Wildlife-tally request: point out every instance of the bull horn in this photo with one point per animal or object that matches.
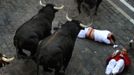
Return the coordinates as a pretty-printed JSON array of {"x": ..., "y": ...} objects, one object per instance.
[
  {"x": 69, "y": 19},
  {"x": 90, "y": 24},
  {"x": 58, "y": 8},
  {"x": 7, "y": 59},
  {"x": 82, "y": 25},
  {"x": 42, "y": 3},
  {"x": 92, "y": 20}
]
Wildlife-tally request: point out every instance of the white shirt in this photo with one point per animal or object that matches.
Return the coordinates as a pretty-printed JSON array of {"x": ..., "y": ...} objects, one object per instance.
[{"x": 101, "y": 36}]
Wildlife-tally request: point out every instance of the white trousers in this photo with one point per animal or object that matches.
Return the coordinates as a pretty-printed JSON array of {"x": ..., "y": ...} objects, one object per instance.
[{"x": 114, "y": 67}]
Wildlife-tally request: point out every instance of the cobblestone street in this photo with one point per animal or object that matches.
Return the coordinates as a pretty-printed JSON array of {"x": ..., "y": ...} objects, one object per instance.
[{"x": 88, "y": 56}]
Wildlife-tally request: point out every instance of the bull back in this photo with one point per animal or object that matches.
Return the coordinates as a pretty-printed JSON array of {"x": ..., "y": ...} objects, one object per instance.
[
  {"x": 56, "y": 51},
  {"x": 31, "y": 32}
]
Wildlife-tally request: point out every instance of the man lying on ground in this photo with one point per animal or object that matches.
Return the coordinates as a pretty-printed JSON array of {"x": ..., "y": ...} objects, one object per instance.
[
  {"x": 117, "y": 62},
  {"x": 104, "y": 36}
]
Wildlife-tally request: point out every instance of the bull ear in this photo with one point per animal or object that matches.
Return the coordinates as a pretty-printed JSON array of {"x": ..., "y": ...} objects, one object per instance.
[
  {"x": 69, "y": 19},
  {"x": 58, "y": 8},
  {"x": 42, "y": 4}
]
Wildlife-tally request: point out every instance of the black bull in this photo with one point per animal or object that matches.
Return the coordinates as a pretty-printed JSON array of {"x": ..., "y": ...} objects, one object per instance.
[
  {"x": 30, "y": 33},
  {"x": 56, "y": 50},
  {"x": 91, "y": 4}
]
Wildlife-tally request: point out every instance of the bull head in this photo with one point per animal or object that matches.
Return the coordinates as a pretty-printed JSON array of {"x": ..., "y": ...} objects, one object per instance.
[
  {"x": 5, "y": 59},
  {"x": 82, "y": 25},
  {"x": 57, "y": 8}
]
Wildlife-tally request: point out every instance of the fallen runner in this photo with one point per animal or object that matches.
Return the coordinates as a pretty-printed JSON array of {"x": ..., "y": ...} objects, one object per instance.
[
  {"x": 117, "y": 62},
  {"x": 103, "y": 36}
]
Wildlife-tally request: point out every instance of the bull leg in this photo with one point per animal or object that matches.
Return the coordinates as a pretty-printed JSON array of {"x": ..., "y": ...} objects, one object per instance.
[
  {"x": 0, "y": 65},
  {"x": 59, "y": 66},
  {"x": 33, "y": 53},
  {"x": 79, "y": 6},
  {"x": 66, "y": 62},
  {"x": 59, "y": 73},
  {"x": 96, "y": 9},
  {"x": 86, "y": 9},
  {"x": 59, "y": 70},
  {"x": 46, "y": 69},
  {"x": 19, "y": 51}
]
